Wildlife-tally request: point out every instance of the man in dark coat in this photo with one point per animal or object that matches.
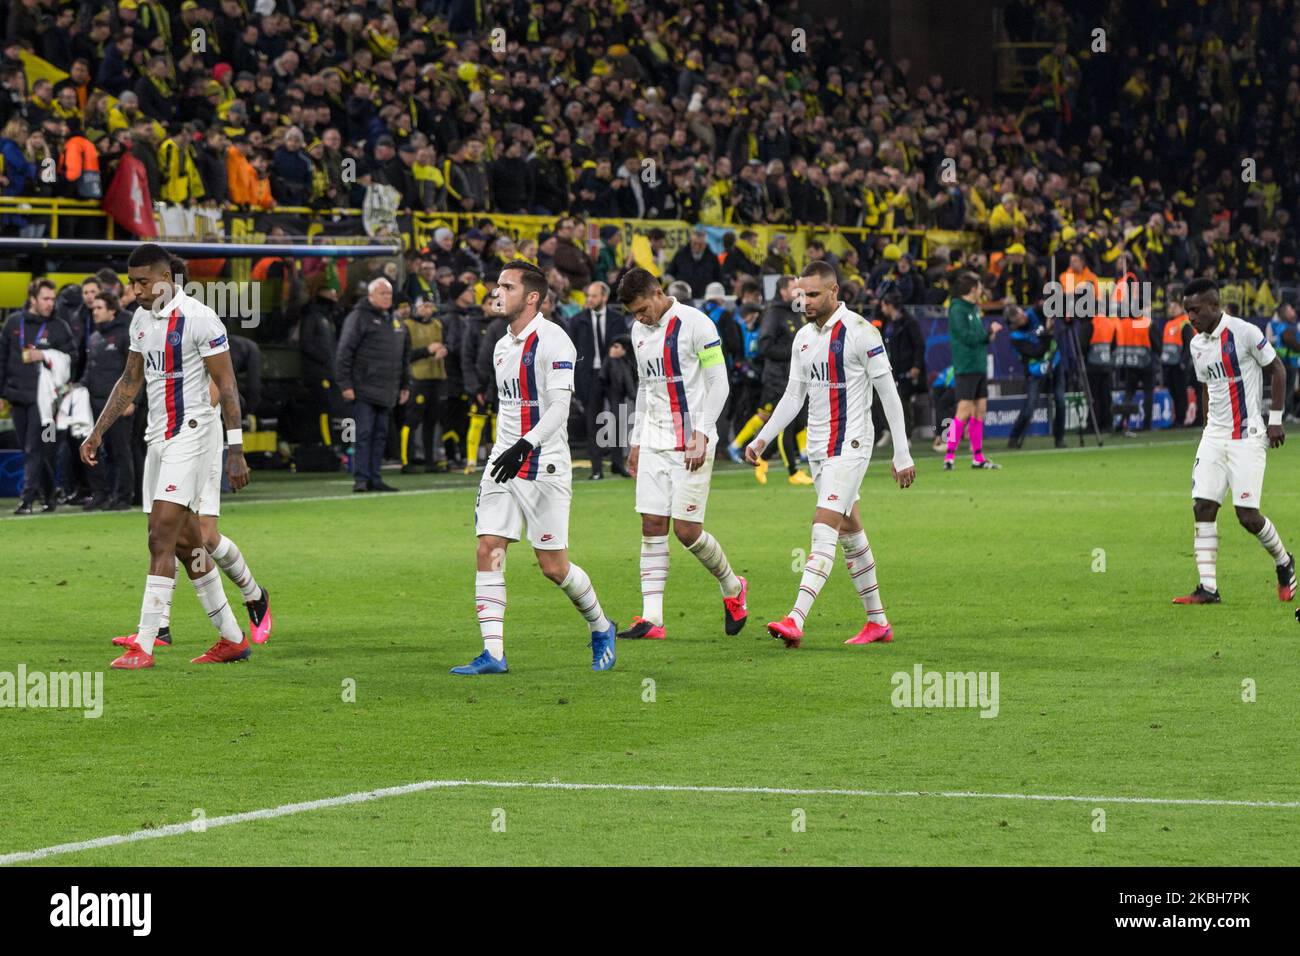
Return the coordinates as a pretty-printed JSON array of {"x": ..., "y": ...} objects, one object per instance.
[
  {"x": 696, "y": 264},
  {"x": 106, "y": 352},
  {"x": 25, "y": 338},
  {"x": 593, "y": 331},
  {"x": 374, "y": 368}
]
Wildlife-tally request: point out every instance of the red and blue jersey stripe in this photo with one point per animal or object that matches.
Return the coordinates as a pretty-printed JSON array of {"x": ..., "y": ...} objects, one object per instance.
[
  {"x": 1236, "y": 383},
  {"x": 676, "y": 384},
  {"x": 529, "y": 413},
  {"x": 837, "y": 396},
  {"x": 174, "y": 387}
]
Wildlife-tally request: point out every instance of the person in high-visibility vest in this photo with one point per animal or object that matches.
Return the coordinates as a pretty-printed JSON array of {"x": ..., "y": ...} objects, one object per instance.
[
  {"x": 1174, "y": 356},
  {"x": 1100, "y": 363},
  {"x": 1134, "y": 342}
]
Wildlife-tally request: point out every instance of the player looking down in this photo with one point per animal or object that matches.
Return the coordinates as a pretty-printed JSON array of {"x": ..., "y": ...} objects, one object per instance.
[
  {"x": 1230, "y": 356},
  {"x": 177, "y": 344},
  {"x": 530, "y": 483},
  {"x": 836, "y": 361},
  {"x": 682, "y": 391}
]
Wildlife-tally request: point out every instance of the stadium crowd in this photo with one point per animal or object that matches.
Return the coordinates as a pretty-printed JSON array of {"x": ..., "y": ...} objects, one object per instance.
[{"x": 1161, "y": 157}]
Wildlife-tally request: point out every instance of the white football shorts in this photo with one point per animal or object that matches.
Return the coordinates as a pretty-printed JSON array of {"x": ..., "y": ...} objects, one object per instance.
[
  {"x": 1222, "y": 464},
  {"x": 664, "y": 486},
  {"x": 837, "y": 480},
  {"x": 182, "y": 469},
  {"x": 504, "y": 510}
]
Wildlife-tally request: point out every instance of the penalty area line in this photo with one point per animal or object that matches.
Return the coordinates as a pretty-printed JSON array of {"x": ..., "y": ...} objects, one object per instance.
[{"x": 367, "y": 796}]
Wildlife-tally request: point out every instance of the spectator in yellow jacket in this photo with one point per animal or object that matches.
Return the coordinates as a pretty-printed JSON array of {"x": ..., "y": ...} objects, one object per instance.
[{"x": 181, "y": 181}]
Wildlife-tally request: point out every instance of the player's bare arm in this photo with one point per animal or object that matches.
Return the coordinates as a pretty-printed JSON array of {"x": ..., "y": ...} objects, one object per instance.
[
  {"x": 119, "y": 400},
  {"x": 1277, "y": 373},
  {"x": 222, "y": 372}
]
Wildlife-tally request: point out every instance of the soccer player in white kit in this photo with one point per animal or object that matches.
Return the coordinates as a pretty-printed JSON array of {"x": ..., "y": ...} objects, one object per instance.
[
  {"x": 226, "y": 554},
  {"x": 177, "y": 345},
  {"x": 530, "y": 483},
  {"x": 836, "y": 361},
  {"x": 1231, "y": 356},
  {"x": 682, "y": 391}
]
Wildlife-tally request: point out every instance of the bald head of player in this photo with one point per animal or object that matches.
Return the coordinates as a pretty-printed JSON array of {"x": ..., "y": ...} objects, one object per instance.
[
  {"x": 1201, "y": 300},
  {"x": 520, "y": 290},
  {"x": 643, "y": 297},
  {"x": 819, "y": 291},
  {"x": 152, "y": 273}
]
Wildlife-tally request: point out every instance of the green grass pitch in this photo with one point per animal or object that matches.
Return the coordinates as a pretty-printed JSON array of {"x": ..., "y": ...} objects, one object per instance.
[{"x": 1106, "y": 690}]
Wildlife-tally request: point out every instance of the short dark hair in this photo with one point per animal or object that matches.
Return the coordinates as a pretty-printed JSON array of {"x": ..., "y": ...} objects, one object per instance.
[
  {"x": 964, "y": 282},
  {"x": 533, "y": 278},
  {"x": 783, "y": 283},
  {"x": 636, "y": 284},
  {"x": 111, "y": 302},
  {"x": 89, "y": 280},
  {"x": 148, "y": 254},
  {"x": 107, "y": 277},
  {"x": 1201, "y": 287},
  {"x": 36, "y": 285},
  {"x": 821, "y": 270}
]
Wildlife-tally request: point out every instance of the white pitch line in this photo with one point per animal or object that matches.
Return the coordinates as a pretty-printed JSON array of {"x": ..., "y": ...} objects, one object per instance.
[{"x": 367, "y": 796}]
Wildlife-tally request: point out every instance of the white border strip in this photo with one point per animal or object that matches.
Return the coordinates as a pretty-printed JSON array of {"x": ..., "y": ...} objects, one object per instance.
[{"x": 366, "y": 796}]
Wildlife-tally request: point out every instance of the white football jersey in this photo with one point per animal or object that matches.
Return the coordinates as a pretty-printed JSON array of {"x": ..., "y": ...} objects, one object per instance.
[
  {"x": 834, "y": 364},
  {"x": 1228, "y": 361},
  {"x": 174, "y": 344},
  {"x": 671, "y": 357},
  {"x": 527, "y": 365}
]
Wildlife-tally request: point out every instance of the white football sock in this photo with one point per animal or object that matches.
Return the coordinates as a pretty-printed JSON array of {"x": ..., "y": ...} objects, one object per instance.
[
  {"x": 490, "y": 603},
  {"x": 1206, "y": 543},
  {"x": 862, "y": 569},
  {"x": 157, "y": 596},
  {"x": 165, "y": 621},
  {"x": 231, "y": 561},
  {"x": 821, "y": 559},
  {"x": 711, "y": 555},
  {"x": 654, "y": 577},
  {"x": 1272, "y": 543},
  {"x": 213, "y": 598},
  {"x": 579, "y": 589}
]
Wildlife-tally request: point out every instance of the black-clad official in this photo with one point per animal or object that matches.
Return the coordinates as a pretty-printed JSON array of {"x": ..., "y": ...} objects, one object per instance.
[
  {"x": 26, "y": 335},
  {"x": 106, "y": 353}
]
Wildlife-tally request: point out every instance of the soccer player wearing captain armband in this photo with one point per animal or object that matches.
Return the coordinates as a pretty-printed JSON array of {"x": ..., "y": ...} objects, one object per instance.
[
  {"x": 682, "y": 391},
  {"x": 836, "y": 362}
]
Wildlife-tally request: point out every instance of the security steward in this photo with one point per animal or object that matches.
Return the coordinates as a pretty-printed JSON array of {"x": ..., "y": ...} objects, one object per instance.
[{"x": 1176, "y": 357}]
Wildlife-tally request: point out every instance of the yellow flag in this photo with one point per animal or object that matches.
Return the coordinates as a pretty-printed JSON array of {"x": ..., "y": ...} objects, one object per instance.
[{"x": 644, "y": 256}]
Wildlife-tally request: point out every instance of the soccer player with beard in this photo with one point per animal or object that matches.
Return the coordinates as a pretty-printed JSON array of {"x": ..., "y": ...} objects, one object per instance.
[
  {"x": 530, "y": 483},
  {"x": 1230, "y": 356},
  {"x": 837, "y": 359}
]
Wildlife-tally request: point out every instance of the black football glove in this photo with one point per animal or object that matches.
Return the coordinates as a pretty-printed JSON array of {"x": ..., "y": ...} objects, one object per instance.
[{"x": 508, "y": 463}]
